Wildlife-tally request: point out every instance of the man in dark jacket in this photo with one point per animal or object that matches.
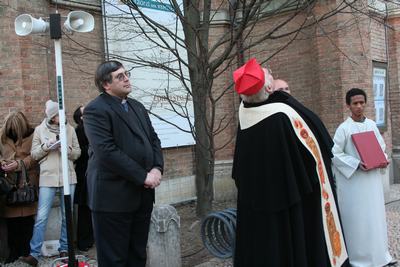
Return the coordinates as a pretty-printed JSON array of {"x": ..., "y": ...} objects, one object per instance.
[{"x": 125, "y": 165}]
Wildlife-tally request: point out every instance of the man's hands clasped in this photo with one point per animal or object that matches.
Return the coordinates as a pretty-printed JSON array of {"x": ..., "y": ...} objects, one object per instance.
[{"x": 153, "y": 178}]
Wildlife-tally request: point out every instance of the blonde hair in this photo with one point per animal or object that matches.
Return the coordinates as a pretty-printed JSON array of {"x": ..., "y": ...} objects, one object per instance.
[{"x": 15, "y": 125}]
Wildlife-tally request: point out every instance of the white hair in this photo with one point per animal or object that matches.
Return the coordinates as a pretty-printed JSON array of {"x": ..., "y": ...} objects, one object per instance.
[{"x": 262, "y": 94}]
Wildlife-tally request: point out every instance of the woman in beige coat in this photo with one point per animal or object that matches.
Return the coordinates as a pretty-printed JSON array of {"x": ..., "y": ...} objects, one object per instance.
[
  {"x": 46, "y": 150},
  {"x": 15, "y": 146}
]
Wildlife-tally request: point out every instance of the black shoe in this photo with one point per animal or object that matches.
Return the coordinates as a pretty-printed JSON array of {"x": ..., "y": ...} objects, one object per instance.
[
  {"x": 85, "y": 248},
  {"x": 11, "y": 259},
  {"x": 392, "y": 263}
]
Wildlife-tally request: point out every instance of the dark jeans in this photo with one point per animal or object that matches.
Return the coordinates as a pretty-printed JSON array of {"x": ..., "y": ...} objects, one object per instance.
[
  {"x": 84, "y": 228},
  {"x": 20, "y": 231}
]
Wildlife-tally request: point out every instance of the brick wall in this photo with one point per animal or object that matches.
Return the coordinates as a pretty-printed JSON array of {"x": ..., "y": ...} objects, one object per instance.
[
  {"x": 328, "y": 78},
  {"x": 378, "y": 39},
  {"x": 28, "y": 68},
  {"x": 394, "y": 91},
  {"x": 394, "y": 74},
  {"x": 310, "y": 64},
  {"x": 27, "y": 72},
  {"x": 326, "y": 60},
  {"x": 323, "y": 62},
  {"x": 318, "y": 68},
  {"x": 225, "y": 116},
  {"x": 24, "y": 74}
]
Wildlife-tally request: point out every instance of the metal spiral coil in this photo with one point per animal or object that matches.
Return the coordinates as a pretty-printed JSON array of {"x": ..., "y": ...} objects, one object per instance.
[{"x": 218, "y": 232}]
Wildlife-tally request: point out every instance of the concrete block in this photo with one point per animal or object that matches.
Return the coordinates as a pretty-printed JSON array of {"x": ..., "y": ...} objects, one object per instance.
[{"x": 163, "y": 248}]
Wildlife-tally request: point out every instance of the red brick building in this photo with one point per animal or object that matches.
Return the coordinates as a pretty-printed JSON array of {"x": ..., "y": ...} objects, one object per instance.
[
  {"x": 361, "y": 50},
  {"x": 347, "y": 50},
  {"x": 319, "y": 68}
]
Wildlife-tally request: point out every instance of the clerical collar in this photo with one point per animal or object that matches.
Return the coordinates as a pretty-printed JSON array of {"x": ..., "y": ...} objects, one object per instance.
[{"x": 118, "y": 99}]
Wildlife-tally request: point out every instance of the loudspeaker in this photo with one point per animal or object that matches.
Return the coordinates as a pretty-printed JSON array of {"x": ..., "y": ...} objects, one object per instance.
[
  {"x": 79, "y": 21},
  {"x": 26, "y": 24}
]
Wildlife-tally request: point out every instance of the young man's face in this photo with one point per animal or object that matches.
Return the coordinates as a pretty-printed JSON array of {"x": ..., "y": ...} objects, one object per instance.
[
  {"x": 120, "y": 85},
  {"x": 357, "y": 105}
]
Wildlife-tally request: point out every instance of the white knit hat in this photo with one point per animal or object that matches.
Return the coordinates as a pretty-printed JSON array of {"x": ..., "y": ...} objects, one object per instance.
[{"x": 51, "y": 109}]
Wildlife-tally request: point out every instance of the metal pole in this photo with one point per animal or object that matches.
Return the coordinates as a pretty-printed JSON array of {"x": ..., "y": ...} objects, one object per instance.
[
  {"x": 61, "y": 114},
  {"x": 103, "y": 9},
  {"x": 64, "y": 145}
]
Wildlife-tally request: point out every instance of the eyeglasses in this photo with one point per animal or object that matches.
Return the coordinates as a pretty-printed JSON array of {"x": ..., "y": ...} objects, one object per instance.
[{"x": 121, "y": 76}]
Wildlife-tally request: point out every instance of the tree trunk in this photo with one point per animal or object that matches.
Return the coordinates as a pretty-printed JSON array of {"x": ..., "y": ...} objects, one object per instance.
[
  {"x": 204, "y": 181},
  {"x": 204, "y": 150}
]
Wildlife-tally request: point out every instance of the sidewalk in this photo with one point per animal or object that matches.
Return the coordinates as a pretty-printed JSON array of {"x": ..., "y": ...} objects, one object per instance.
[{"x": 393, "y": 219}]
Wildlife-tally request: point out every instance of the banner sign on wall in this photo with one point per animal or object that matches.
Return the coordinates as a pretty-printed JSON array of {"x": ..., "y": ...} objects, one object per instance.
[{"x": 155, "y": 87}]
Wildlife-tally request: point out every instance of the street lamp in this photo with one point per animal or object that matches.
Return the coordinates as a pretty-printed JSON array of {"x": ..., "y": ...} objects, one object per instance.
[{"x": 76, "y": 21}]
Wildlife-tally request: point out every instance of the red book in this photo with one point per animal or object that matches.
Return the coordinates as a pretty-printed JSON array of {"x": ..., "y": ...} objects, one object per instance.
[{"x": 369, "y": 150}]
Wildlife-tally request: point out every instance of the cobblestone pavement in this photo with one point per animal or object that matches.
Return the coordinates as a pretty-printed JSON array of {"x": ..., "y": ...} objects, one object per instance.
[
  {"x": 393, "y": 219},
  {"x": 90, "y": 257}
]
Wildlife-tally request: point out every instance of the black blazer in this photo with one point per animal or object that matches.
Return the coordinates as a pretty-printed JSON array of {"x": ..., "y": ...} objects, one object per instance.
[{"x": 121, "y": 153}]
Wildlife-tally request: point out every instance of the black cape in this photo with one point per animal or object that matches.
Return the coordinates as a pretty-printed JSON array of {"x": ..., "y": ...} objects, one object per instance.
[
  {"x": 316, "y": 125},
  {"x": 279, "y": 220}
]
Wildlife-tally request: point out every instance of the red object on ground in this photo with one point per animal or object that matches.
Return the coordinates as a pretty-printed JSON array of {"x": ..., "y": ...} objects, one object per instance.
[{"x": 80, "y": 264}]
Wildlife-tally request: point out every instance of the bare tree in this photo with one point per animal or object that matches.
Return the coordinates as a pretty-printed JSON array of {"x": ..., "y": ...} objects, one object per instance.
[
  {"x": 207, "y": 57},
  {"x": 200, "y": 57}
]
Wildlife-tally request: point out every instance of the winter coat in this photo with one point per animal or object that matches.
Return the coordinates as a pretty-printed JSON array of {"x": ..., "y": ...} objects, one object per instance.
[
  {"x": 50, "y": 160},
  {"x": 10, "y": 151}
]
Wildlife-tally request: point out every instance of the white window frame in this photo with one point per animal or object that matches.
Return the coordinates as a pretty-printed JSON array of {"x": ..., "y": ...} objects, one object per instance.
[{"x": 379, "y": 82}]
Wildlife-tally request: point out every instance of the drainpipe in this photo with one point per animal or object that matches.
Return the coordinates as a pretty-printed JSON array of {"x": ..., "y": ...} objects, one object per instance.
[{"x": 103, "y": 11}]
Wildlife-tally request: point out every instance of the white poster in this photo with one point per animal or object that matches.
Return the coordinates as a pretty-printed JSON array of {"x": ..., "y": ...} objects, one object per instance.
[
  {"x": 379, "y": 82},
  {"x": 156, "y": 88}
]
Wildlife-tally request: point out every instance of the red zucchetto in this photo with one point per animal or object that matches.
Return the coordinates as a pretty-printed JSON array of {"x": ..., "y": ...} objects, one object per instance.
[{"x": 249, "y": 78}]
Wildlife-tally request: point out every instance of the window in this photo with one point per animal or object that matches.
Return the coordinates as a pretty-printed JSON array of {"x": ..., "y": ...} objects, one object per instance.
[
  {"x": 379, "y": 82},
  {"x": 378, "y": 6},
  {"x": 277, "y": 6}
]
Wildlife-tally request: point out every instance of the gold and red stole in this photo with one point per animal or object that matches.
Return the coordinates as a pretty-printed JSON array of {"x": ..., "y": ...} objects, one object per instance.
[{"x": 334, "y": 239}]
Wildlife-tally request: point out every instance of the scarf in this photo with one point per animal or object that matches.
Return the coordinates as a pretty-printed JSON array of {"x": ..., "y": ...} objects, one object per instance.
[{"x": 54, "y": 128}]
